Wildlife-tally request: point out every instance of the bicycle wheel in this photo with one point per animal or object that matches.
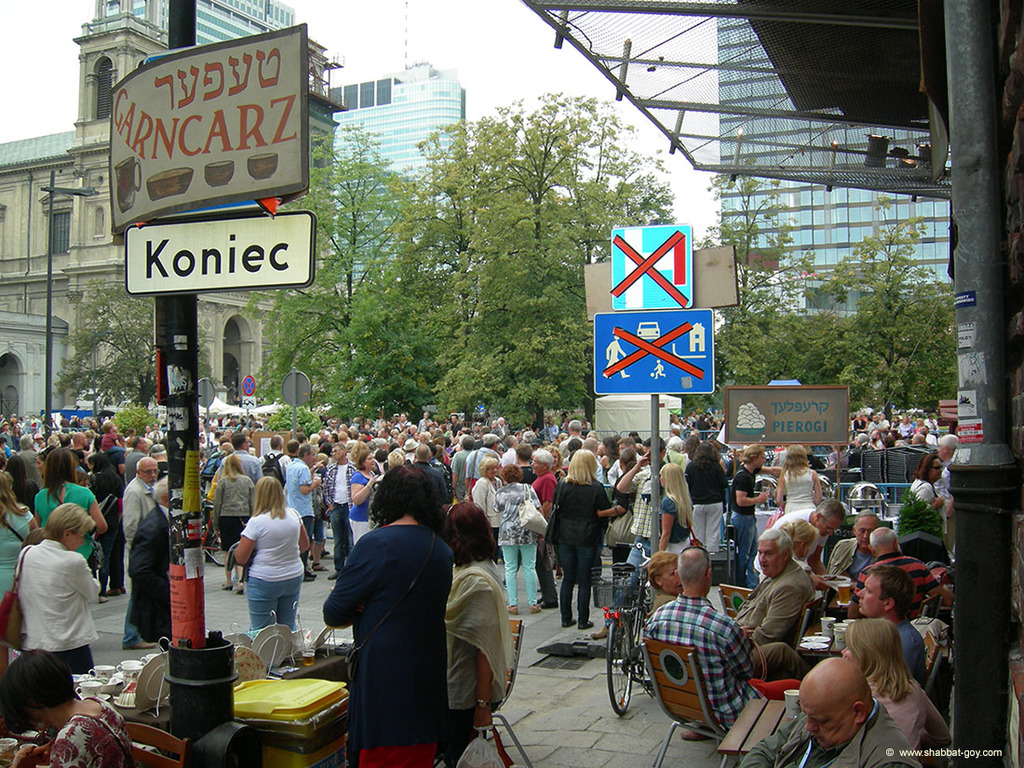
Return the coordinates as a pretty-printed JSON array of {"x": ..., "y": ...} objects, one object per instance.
[
  {"x": 637, "y": 663},
  {"x": 620, "y": 681}
]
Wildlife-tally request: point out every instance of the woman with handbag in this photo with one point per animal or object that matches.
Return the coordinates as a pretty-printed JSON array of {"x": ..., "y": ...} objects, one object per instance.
[
  {"x": 575, "y": 530},
  {"x": 107, "y": 486},
  {"x": 15, "y": 523},
  {"x": 38, "y": 692},
  {"x": 233, "y": 502},
  {"x": 56, "y": 589},
  {"x": 60, "y": 486},
  {"x": 479, "y": 637},
  {"x": 394, "y": 587},
  {"x": 517, "y": 543}
]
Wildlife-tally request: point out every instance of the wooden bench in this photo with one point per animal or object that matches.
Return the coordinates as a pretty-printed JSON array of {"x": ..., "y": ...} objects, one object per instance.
[{"x": 758, "y": 720}]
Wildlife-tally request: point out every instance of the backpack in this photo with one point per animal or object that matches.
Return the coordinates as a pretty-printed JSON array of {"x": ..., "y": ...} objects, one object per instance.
[
  {"x": 212, "y": 465},
  {"x": 272, "y": 467}
]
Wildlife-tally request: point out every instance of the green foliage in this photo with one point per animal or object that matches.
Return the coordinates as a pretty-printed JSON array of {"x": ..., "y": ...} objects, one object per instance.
[
  {"x": 918, "y": 515},
  {"x": 307, "y": 421},
  {"x": 133, "y": 417},
  {"x": 112, "y": 351},
  {"x": 494, "y": 243}
]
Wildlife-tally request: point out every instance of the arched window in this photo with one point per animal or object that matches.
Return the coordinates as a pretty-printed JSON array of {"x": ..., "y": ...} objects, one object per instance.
[
  {"x": 99, "y": 225},
  {"x": 104, "y": 80}
]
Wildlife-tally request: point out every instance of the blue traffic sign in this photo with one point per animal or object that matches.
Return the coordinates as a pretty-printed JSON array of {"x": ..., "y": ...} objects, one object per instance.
[
  {"x": 652, "y": 267},
  {"x": 641, "y": 353},
  {"x": 248, "y": 386}
]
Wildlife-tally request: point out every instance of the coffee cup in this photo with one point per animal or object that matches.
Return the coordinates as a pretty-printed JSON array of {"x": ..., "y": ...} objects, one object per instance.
[
  {"x": 149, "y": 657},
  {"x": 130, "y": 668},
  {"x": 128, "y": 174},
  {"x": 8, "y": 747},
  {"x": 89, "y": 688},
  {"x": 103, "y": 671},
  {"x": 792, "y": 702},
  {"x": 827, "y": 623}
]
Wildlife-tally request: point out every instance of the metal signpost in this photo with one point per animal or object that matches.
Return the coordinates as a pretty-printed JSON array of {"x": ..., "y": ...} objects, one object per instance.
[
  {"x": 295, "y": 392},
  {"x": 213, "y": 125},
  {"x": 645, "y": 352}
]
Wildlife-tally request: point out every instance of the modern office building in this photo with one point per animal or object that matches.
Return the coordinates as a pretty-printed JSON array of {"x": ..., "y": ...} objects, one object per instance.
[
  {"x": 828, "y": 222},
  {"x": 403, "y": 109},
  {"x": 216, "y": 20}
]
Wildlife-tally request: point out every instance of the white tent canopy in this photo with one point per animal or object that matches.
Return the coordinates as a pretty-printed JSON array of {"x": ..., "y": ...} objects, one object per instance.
[{"x": 622, "y": 413}]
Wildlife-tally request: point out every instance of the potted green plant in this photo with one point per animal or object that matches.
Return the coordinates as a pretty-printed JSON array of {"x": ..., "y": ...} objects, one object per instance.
[{"x": 917, "y": 515}]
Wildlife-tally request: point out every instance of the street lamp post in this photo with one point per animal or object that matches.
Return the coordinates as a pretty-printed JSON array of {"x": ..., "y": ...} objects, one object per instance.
[{"x": 48, "y": 386}]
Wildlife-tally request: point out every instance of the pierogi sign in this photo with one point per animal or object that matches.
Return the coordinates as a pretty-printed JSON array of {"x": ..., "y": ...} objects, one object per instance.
[{"x": 216, "y": 124}]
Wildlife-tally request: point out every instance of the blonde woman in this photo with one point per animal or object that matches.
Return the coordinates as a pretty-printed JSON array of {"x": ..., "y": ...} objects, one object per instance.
[
  {"x": 484, "y": 493},
  {"x": 799, "y": 487},
  {"x": 874, "y": 646},
  {"x": 277, "y": 537},
  {"x": 232, "y": 507},
  {"x": 56, "y": 589},
  {"x": 676, "y": 510},
  {"x": 803, "y": 535},
  {"x": 361, "y": 489},
  {"x": 579, "y": 501}
]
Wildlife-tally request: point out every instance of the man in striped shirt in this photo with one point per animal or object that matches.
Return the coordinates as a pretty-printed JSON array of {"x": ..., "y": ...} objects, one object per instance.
[
  {"x": 886, "y": 548},
  {"x": 724, "y": 651}
]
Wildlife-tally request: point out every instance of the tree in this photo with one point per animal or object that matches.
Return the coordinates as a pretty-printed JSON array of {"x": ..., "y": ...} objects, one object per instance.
[
  {"x": 754, "y": 344},
  {"x": 495, "y": 239},
  {"x": 904, "y": 319},
  {"x": 356, "y": 200},
  {"x": 113, "y": 355}
]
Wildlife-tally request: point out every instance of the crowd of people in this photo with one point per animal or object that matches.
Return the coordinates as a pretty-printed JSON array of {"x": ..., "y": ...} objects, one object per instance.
[{"x": 427, "y": 541}]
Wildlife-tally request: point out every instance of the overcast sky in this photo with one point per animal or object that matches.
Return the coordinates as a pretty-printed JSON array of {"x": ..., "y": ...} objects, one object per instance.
[{"x": 501, "y": 49}]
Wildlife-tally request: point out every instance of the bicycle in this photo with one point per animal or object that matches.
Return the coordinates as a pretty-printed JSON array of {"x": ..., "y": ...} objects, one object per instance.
[
  {"x": 211, "y": 537},
  {"x": 625, "y": 602}
]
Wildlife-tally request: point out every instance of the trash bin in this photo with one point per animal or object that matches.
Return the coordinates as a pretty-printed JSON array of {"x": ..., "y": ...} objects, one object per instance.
[
  {"x": 301, "y": 723},
  {"x": 201, "y": 682}
]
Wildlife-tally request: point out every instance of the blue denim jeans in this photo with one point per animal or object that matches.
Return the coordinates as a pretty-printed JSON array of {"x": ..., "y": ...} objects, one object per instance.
[
  {"x": 576, "y": 565},
  {"x": 342, "y": 533},
  {"x": 746, "y": 548},
  {"x": 268, "y": 599},
  {"x": 131, "y": 632}
]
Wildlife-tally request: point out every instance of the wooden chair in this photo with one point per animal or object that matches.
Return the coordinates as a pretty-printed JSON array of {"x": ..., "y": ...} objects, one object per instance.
[
  {"x": 810, "y": 616},
  {"x": 496, "y": 716},
  {"x": 149, "y": 736},
  {"x": 932, "y": 662},
  {"x": 930, "y": 606},
  {"x": 732, "y": 598},
  {"x": 679, "y": 689}
]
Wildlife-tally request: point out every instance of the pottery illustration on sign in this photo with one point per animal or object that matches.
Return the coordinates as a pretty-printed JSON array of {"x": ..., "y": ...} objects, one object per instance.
[
  {"x": 220, "y": 173},
  {"x": 168, "y": 183},
  {"x": 129, "y": 181},
  {"x": 263, "y": 166}
]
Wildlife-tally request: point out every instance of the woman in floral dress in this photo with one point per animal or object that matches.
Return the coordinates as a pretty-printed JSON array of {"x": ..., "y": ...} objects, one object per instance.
[{"x": 37, "y": 692}]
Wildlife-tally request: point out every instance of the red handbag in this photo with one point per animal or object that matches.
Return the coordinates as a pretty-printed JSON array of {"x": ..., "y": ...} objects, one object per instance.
[{"x": 10, "y": 611}]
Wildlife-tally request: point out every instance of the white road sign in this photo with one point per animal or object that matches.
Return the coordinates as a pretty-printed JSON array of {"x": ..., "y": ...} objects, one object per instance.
[{"x": 239, "y": 253}]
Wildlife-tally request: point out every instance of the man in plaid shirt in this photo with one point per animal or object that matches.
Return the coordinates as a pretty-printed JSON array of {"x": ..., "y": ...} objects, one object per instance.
[{"x": 724, "y": 651}]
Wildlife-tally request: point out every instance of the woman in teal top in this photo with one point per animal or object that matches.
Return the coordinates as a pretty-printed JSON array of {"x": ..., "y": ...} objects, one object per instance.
[
  {"x": 60, "y": 487},
  {"x": 15, "y": 522}
]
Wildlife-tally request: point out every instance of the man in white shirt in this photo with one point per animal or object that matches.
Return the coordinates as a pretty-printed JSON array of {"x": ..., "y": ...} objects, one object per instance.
[{"x": 337, "y": 493}]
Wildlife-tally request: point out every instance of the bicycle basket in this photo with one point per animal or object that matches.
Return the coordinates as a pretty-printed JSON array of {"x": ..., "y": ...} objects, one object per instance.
[{"x": 615, "y": 594}]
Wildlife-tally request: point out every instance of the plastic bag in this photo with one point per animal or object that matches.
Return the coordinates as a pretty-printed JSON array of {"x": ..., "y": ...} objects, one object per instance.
[{"x": 480, "y": 754}]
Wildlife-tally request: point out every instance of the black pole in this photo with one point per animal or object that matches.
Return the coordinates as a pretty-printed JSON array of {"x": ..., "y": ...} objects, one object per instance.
[
  {"x": 177, "y": 343},
  {"x": 48, "y": 374}
]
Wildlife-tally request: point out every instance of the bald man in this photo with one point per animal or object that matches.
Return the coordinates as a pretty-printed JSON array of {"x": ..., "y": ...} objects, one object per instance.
[{"x": 840, "y": 722}]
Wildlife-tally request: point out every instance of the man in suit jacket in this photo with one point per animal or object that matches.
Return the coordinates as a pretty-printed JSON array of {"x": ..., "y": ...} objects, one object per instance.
[{"x": 149, "y": 568}]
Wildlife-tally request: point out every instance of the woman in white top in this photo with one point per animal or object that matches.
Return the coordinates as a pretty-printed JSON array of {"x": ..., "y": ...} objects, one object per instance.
[
  {"x": 274, "y": 538},
  {"x": 484, "y": 492},
  {"x": 56, "y": 588},
  {"x": 799, "y": 487}
]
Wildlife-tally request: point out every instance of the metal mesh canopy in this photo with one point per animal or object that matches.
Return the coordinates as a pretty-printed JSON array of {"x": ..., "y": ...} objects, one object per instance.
[{"x": 818, "y": 91}]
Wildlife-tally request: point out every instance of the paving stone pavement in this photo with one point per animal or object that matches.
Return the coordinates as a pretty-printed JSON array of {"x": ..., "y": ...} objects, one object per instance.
[{"x": 562, "y": 716}]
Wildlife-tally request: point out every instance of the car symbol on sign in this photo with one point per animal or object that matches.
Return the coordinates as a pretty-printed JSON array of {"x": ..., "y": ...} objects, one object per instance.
[{"x": 648, "y": 331}]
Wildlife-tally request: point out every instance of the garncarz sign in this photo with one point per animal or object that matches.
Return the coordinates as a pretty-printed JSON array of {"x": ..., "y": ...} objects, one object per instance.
[
  {"x": 216, "y": 124},
  {"x": 240, "y": 253}
]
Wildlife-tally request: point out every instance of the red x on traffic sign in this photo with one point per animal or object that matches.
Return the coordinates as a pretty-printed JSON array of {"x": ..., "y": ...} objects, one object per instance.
[
  {"x": 646, "y": 267},
  {"x": 656, "y": 349}
]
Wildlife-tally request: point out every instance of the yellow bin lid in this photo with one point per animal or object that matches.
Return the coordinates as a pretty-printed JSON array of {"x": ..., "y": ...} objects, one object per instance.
[{"x": 286, "y": 699}]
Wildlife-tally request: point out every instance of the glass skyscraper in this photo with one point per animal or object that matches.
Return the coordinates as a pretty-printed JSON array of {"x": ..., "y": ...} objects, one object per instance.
[
  {"x": 218, "y": 20},
  {"x": 402, "y": 109},
  {"x": 829, "y": 223}
]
